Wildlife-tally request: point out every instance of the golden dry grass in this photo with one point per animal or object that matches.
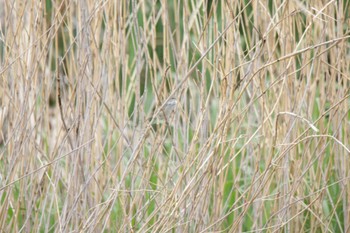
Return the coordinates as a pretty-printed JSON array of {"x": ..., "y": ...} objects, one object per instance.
[{"x": 260, "y": 140}]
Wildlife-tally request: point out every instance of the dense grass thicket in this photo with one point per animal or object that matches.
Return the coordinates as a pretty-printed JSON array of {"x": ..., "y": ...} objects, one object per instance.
[{"x": 259, "y": 140}]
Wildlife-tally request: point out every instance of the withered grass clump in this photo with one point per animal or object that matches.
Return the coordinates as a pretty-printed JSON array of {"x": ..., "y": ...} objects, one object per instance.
[{"x": 259, "y": 140}]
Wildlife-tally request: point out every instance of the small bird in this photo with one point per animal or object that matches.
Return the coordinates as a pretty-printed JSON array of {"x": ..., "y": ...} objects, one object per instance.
[
  {"x": 166, "y": 113},
  {"x": 168, "y": 110}
]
